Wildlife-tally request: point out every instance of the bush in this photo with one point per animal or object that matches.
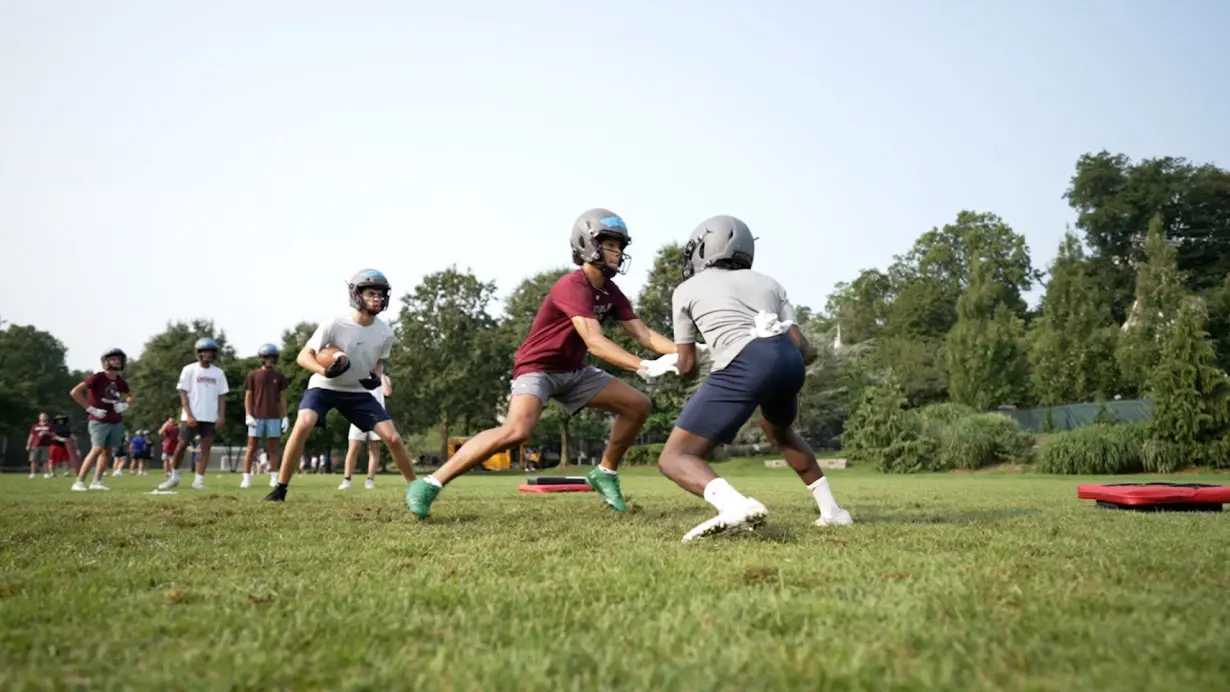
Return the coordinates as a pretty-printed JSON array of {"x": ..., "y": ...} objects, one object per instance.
[
  {"x": 1096, "y": 450},
  {"x": 643, "y": 455},
  {"x": 1164, "y": 456},
  {"x": 983, "y": 439}
]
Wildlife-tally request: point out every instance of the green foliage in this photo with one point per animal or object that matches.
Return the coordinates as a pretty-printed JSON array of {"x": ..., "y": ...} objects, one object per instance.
[
  {"x": 985, "y": 350},
  {"x": 1159, "y": 294},
  {"x": 1191, "y": 395},
  {"x": 1104, "y": 416},
  {"x": 643, "y": 455},
  {"x": 883, "y": 433},
  {"x": 1095, "y": 450},
  {"x": 980, "y": 440},
  {"x": 1072, "y": 343},
  {"x": 33, "y": 379}
]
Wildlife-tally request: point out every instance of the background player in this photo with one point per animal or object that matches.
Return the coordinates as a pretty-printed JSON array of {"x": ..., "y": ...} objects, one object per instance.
[
  {"x": 264, "y": 404},
  {"x": 105, "y": 396},
  {"x": 551, "y": 363},
  {"x": 202, "y": 392},
  {"x": 140, "y": 447},
  {"x": 347, "y": 383},
  {"x": 62, "y": 444},
  {"x": 38, "y": 446},
  {"x": 357, "y": 437},
  {"x": 170, "y": 442},
  {"x": 756, "y": 363}
]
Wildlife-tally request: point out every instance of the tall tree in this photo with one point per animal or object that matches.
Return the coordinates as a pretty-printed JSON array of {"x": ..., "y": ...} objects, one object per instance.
[
  {"x": 1189, "y": 391},
  {"x": 985, "y": 351},
  {"x": 1115, "y": 199},
  {"x": 459, "y": 370},
  {"x": 33, "y": 379},
  {"x": 1072, "y": 343},
  {"x": 1159, "y": 294}
]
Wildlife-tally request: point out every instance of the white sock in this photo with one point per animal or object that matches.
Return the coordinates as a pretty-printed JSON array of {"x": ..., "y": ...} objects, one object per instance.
[
  {"x": 175, "y": 474},
  {"x": 721, "y": 494},
  {"x": 200, "y": 478},
  {"x": 247, "y": 476},
  {"x": 431, "y": 480},
  {"x": 607, "y": 471},
  {"x": 824, "y": 497}
]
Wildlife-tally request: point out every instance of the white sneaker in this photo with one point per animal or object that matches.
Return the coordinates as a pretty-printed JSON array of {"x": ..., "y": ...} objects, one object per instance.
[
  {"x": 840, "y": 518},
  {"x": 370, "y": 484},
  {"x": 33, "y": 475},
  {"x": 97, "y": 485},
  {"x": 344, "y": 486},
  {"x": 744, "y": 516},
  {"x": 198, "y": 484},
  {"x": 79, "y": 487},
  {"x": 169, "y": 483},
  {"x": 246, "y": 482},
  {"x": 48, "y": 475}
]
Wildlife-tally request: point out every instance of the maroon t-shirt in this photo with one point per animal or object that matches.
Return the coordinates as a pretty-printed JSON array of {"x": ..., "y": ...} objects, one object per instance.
[
  {"x": 104, "y": 393},
  {"x": 553, "y": 344},
  {"x": 42, "y": 434}
]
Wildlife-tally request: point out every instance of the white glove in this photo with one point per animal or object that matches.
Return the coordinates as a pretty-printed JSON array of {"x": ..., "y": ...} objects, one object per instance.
[
  {"x": 120, "y": 407},
  {"x": 285, "y": 423},
  {"x": 249, "y": 421},
  {"x": 96, "y": 412},
  {"x": 767, "y": 324},
  {"x": 658, "y": 367}
]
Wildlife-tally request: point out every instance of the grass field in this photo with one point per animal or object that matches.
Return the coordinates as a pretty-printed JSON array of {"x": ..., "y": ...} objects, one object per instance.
[{"x": 973, "y": 581}]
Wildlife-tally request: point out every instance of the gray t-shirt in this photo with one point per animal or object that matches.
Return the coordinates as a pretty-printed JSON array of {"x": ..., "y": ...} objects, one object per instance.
[
  {"x": 365, "y": 346},
  {"x": 722, "y": 304}
]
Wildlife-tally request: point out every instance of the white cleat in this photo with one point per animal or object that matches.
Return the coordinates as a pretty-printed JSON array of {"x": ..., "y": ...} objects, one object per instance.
[
  {"x": 245, "y": 483},
  {"x": 839, "y": 518},
  {"x": 745, "y": 516},
  {"x": 370, "y": 484},
  {"x": 97, "y": 485},
  {"x": 344, "y": 486},
  {"x": 169, "y": 483},
  {"x": 198, "y": 484},
  {"x": 33, "y": 475},
  {"x": 48, "y": 475},
  {"x": 79, "y": 487}
]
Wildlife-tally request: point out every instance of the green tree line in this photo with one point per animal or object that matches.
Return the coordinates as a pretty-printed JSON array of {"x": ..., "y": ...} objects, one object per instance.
[{"x": 946, "y": 321}]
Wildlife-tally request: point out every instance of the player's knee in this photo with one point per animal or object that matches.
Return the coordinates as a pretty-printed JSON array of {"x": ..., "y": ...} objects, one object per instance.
[
  {"x": 637, "y": 407},
  {"x": 515, "y": 432},
  {"x": 393, "y": 440}
]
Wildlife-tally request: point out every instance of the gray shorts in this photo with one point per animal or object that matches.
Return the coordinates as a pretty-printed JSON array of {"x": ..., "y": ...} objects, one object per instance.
[
  {"x": 40, "y": 454},
  {"x": 106, "y": 435},
  {"x": 571, "y": 390}
]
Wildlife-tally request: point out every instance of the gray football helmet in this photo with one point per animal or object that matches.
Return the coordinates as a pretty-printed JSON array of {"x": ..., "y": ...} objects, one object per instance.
[
  {"x": 590, "y": 229},
  {"x": 723, "y": 239}
]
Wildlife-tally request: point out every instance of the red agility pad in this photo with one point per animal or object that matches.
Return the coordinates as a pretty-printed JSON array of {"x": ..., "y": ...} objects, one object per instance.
[
  {"x": 568, "y": 488},
  {"x": 1158, "y": 496}
]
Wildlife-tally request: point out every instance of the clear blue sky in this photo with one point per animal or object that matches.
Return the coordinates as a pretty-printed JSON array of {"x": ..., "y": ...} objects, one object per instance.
[{"x": 239, "y": 160}]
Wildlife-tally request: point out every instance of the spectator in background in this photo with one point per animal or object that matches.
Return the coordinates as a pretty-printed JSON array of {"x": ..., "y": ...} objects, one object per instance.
[
  {"x": 62, "y": 444},
  {"x": 38, "y": 446}
]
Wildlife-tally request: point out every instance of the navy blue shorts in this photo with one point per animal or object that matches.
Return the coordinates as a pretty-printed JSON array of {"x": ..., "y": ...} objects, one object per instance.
[
  {"x": 360, "y": 408},
  {"x": 767, "y": 374}
]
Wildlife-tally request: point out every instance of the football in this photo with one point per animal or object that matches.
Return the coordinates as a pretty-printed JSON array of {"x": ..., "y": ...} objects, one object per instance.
[{"x": 326, "y": 355}]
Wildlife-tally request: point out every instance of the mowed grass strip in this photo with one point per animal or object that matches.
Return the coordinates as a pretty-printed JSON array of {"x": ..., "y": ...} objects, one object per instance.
[{"x": 953, "y": 581}]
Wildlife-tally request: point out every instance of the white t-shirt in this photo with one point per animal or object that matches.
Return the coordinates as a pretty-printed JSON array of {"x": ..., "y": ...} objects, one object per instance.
[
  {"x": 365, "y": 346},
  {"x": 204, "y": 386}
]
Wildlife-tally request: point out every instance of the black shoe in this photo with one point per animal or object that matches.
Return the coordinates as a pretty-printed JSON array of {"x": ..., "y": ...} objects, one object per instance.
[{"x": 278, "y": 494}]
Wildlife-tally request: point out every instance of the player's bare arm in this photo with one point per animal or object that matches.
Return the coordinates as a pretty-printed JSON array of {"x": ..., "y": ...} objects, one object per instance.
[
  {"x": 805, "y": 347},
  {"x": 687, "y": 358},
  {"x": 78, "y": 395},
  {"x": 247, "y": 403},
  {"x": 183, "y": 401},
  {"x": 599, "y": 345},
  {"x": 648, "y": 338},
  {"x": 307, "y": 360},
  {"x": 221, "y": 410}
]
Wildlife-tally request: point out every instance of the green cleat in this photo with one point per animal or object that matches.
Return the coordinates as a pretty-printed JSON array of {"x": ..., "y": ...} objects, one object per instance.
[
  {"x": 419, "y": 496},
  {"x": 607, "y": 485}
]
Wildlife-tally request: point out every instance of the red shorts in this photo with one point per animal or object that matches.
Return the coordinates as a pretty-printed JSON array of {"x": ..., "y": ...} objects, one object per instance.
[{"x": 58, "y": 455}]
